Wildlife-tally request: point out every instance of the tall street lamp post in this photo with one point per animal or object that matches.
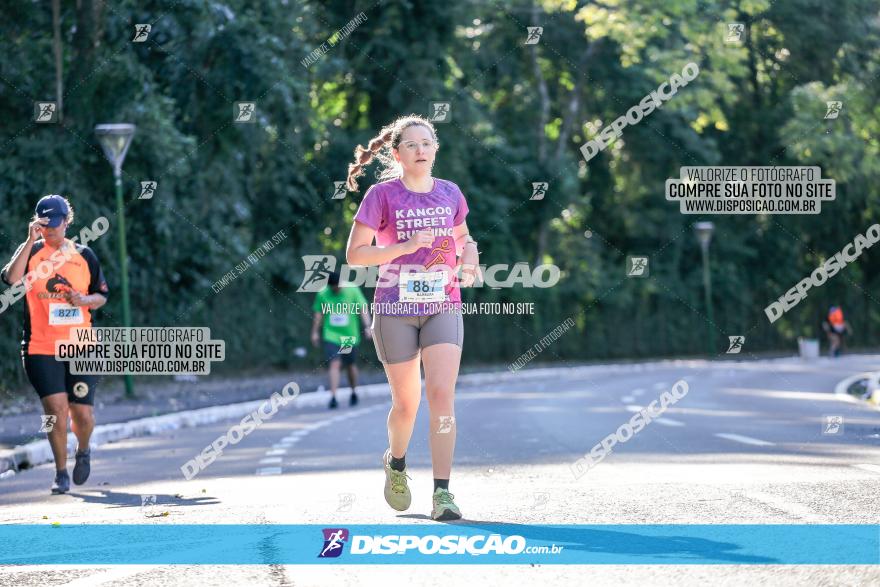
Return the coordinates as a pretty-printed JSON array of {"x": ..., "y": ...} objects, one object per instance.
[
  {"x": 704, "y": 236},
  {"x": 115, "y": 140}
]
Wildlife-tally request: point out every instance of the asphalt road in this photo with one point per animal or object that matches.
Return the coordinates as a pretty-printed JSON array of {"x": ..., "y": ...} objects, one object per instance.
[{"x": 744, "y": 446}]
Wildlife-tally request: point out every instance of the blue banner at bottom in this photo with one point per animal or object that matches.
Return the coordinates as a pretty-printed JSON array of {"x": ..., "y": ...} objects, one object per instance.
[{"x": 459, "y": 543}]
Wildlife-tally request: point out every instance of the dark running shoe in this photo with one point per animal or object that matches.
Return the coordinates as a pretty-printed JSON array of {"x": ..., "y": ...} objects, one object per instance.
[
  {"x": 333, "y": 403},
  {"x": 83, "y": 467},
  {"x": 62, "y": 482},
  {"x": 353, "y": 400}
]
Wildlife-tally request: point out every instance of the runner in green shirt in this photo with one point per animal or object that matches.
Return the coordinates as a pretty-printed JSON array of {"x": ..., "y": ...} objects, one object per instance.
[{"x": 337, "y": 308}]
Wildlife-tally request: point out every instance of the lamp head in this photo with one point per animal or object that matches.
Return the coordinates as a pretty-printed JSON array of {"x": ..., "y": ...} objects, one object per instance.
[
  {"x": 704, "y": 231},
  {"x": 115, "y": 140}
]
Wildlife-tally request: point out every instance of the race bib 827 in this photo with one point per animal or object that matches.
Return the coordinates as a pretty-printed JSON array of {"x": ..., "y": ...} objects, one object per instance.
[{"x": 64, "y": 314}]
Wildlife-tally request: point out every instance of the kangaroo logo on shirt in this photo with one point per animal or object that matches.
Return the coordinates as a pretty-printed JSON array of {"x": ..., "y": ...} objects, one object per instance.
[{"x": 58, "y": 284}]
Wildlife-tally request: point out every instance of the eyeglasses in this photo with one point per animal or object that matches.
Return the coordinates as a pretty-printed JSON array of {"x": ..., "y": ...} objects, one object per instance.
[{"x": 426, "y": 144}]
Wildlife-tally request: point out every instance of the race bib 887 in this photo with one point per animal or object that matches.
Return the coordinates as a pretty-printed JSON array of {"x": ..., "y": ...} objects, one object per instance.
[{"x": 423, "y": 287}]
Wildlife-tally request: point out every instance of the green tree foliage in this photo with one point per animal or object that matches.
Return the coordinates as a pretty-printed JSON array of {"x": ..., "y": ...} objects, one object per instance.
[{"x": 520, "y": 112}]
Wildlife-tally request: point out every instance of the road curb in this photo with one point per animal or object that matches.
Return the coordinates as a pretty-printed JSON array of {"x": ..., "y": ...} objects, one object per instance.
[
  {"x": 874, "y": 376},
  {"x": 39, "y": 452}
]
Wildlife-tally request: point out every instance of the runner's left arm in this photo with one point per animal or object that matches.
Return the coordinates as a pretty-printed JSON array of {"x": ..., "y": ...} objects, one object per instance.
[
  {"x": 468, "y": 256},
  {"x": 460, "y": 233},
  {"x": 98, "y": 290}
]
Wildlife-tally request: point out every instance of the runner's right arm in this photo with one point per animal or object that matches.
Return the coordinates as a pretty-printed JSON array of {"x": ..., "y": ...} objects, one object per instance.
[
  {"x": 14, "y": 271},
  {"x": 360, "y": 249}
]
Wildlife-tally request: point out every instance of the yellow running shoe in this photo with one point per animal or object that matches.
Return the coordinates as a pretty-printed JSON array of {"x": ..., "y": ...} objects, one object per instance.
[
  {"x": 444, "y": 507},
  {"x": 396, "y": 490}
]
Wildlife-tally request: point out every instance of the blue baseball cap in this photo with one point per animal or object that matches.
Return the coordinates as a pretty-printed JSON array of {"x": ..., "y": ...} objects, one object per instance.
[{"x": 54, "y": 208}]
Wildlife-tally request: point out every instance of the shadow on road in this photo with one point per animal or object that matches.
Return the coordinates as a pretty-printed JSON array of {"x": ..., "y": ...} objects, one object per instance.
[
  {"x": 119, "y": 499},
  {"x": 679, "y": 549}
]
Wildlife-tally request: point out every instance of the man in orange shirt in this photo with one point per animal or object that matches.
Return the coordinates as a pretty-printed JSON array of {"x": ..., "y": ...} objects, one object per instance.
[
  {"x": 64, "y": 284},
  {"x": 835, "y": 326}
]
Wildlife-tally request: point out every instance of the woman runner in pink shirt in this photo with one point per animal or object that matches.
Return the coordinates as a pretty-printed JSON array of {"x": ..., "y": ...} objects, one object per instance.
[{"x": 418, "y": 223}]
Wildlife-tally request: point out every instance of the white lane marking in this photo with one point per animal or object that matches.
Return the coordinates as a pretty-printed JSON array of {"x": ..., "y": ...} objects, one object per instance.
[
  {"x": 279, "y": 449},
  {"x": 269, "y": 471},
  {"x": 868, "y": 467},
  {"x": 668, "y": 422},
  {"x": 627, "y": 399},
  {"x": 638, "y": 392},
  {"x": 798, "y": 510},
  {"x": 743, "y": 439},
  {"x": 662, "y": 420}
]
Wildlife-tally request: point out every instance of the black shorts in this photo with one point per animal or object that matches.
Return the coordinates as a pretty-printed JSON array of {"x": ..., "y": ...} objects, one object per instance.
[
  {"x": 50, "y": 376},
  {"x": 331, "y": 351}
]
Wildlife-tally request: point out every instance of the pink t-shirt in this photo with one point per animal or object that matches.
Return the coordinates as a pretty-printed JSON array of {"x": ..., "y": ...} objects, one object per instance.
[{"x": 396, "y": 214}]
